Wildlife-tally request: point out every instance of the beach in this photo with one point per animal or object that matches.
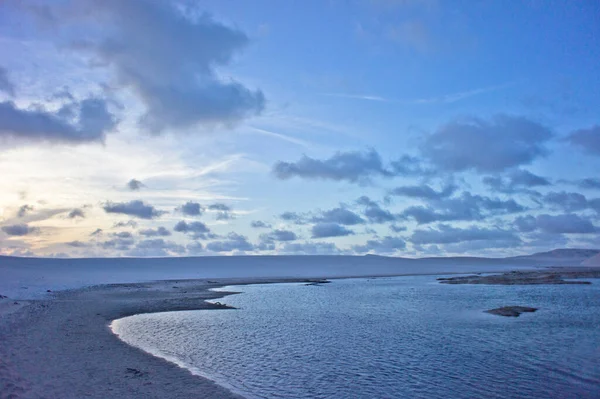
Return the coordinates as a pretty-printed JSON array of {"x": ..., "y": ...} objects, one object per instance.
[
  {"x": 57, "y": 343},
  {"x": 62, "y": 347}
]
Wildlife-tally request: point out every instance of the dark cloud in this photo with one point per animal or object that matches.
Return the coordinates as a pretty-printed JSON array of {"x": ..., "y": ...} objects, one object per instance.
[
  {"x": 374, "y": 212},
  {"x": 424, "y": 192},
  {"x": 156, "y": 247},
  {"x": 587, "y": 140},
  {"x": 119, "y": 242},
  {"x": 340, "y": 216},
  {"x": 590, "y": 183},
  {"x": 77, "y": 244},
  {"x": 219, "y": 207},
  {"x": 195, "y": 228},
  {"x": 134, "y": 184},
  {"x": 486, "y": 146},
  {"x": 408, "y": 165},
  {"x": 19, "y": 229},
  {"x": 158, "y": 232},
  {"x": 234, "y": 242},
  {"x": 96, "y": 232},
  {"x": 566, "y": 201},
  {"x": 343, "y": 166},
  {"x": 446, "y": 234},
  {"x": 194, "y": 248},
  {"x": 465, "y": 207},
  {"x": 224, "y": 211},
  {"x": 519, "y": 180},
  {"x": 76, "y": 213},
  {"x": 134, "y": 208},
  {"x": 167, "y": 57},
  {"x": 23, "y": 210},
  {"x": 279, "y": 235},
  {"x": 131, "y": 223},
  {"x": 322, "y": 230},
  {"x": 191, "y": 209},
  {"x": 385, "y": 245},
  {"x": 259, "y": 224},
  {"x": 397, "y": 229},
  {"x": 293, "y": 217},
  {"x": 224, "y": 216},
  {"x": 569, "y": 223},
  {"x": 122, "y": 234},
  {"x": 6, "y": 85},
  {"x": 80, "y": 122}
]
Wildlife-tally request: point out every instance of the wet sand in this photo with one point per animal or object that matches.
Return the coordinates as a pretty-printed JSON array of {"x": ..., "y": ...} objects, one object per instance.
[{"x": 62, "y": 347}]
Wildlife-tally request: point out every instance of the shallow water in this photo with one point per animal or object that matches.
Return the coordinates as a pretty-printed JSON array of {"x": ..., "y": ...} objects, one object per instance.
[{"x": 403, "y": 337}]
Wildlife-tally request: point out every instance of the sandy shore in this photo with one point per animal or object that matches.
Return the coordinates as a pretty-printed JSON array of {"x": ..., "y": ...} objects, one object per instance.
[{"x": 63, "y": 347}]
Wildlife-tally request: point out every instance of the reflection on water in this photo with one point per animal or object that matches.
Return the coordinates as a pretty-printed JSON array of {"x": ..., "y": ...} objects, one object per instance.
[{"x": 398, "y": 337}]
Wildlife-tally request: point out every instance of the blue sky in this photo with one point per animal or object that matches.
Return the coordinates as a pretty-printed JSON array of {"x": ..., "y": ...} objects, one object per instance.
[{"x": 394, "y": 127}]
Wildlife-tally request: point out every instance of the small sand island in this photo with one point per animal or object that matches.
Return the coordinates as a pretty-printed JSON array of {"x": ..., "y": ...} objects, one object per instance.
[
  {"x": 511, "y": 311},
  {"x": 536, "y": 277}
]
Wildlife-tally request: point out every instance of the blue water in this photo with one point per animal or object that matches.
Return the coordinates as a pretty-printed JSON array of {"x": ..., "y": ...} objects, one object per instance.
[{"x": 404, "y": 337}]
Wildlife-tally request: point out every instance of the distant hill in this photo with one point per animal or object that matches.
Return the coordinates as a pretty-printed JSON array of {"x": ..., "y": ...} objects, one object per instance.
[
  {"x": 593, "y": 261},
  {"x": 562, "y": 256}
]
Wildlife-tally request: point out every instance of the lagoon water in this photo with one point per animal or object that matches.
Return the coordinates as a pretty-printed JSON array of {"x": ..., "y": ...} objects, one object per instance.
[{"x": 401, "y": 337}]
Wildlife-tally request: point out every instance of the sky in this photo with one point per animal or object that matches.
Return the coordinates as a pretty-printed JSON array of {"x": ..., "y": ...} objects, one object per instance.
[{"x": 393, "y": 127}]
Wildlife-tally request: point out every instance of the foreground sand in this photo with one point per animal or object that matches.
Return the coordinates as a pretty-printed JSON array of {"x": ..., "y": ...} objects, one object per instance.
[{"x": 63, "y": 348}]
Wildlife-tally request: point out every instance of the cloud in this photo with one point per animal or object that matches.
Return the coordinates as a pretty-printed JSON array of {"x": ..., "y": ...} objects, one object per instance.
[
  {"x": 446, "y": 234},
  {"x": 198, "y": 230},
  {"x": 134, "y": 184},
  {"x": 234, "y": 242},
  {"x": 6, "y": 85},
  {"x": 219, "y": 207},
  {"x": 79, "y": 122},
  {"x": 343, "y": 166},
  {"x": 279, "y": 235},
  {"x": 134, "y": 208},
  {"x": 223, "y": 211},
  {"x": 293, "y": 217},
  {"x": 587, "y": 140},
  {"x": 397, "y": 229},
  {"x": 194, "y": 248},
  {"x": 259, "y": 224},
  {"x": 131, "y": 223},
  {"x": 156, "y": 247},
  {"x": 339, "y": 215},
  {"x": 465, "y": 207},
  {"x": 486, "y": 146},
  {"x": 191, "y": 209},
  {"x": 566, "y": 201},
  {"x": 424, "y": 191},
  {"x": 19, "y": 229},
  {"x": 322, "y": 230},
  {"x": 158, "y": 232},
  {"x": 120, "y": 242},
  {"x": 408, "y": 165},
  {"x": 76, "y": 213},
  {"x": 23, "y": 210},
  {"x": 591, "y": 183},
  {"x": 385, "y": 245},
  {"x": 519, "y": 180},
  {"x": 77, "y": 244},
  {"x": 374, "y": 212},
  {"x": 96, "y": 232},
  {"x": 167, "y": 57},
  {"x": 569, "y": 223},
  {"x": 310, "y": 248}
]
